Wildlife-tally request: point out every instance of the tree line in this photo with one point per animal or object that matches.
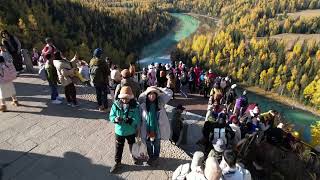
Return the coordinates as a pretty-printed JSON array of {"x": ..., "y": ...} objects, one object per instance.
[
  {"x": 237, "y": 48},
  {"x": 82, "y": 25}
]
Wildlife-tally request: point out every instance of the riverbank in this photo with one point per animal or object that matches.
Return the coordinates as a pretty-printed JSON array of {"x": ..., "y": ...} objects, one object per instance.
[
  {"x": 281, "y": 99},
  {"x": 159, "y": 51}
]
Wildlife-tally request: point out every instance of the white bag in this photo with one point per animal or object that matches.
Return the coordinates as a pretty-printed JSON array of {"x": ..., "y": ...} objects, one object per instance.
[
  {"x": 140, "y": 151},
  {"x": 42, "y": 73},
  {"x": 181, "y": 172}
]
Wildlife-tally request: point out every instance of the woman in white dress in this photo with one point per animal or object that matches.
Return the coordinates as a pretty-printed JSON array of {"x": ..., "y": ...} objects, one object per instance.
[{"x": 7, "y": 75}]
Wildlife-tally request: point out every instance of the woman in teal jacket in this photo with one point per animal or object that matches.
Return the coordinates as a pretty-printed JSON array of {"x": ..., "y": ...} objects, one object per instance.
[{"x": 125, "y": 114}]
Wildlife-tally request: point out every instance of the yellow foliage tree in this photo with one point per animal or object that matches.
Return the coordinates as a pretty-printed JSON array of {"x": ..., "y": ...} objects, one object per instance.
[
  {"x": 290, "y": 86},
  {"x": 315, "y": 134}
]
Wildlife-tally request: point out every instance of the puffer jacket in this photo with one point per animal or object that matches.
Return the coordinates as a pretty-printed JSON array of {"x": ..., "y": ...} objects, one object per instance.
[
  {"x": 64, "y": 71},
  {"x": 123, "y": 128},
  {"x": 99, "y": 71},
  {"x": 163, "y": 120}
]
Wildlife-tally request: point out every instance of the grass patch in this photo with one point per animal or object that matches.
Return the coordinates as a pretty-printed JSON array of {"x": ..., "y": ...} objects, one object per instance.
[
  {"x": 308, "y": 14},
  {"x": 290, "y": 39}
]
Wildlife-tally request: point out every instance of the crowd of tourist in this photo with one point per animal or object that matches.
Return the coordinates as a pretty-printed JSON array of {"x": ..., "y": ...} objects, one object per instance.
[{"x": 138, "y": 107}]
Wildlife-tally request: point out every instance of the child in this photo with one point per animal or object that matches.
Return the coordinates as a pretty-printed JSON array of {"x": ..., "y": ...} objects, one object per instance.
[
  {"x": 177, "y": 125},
  {"x": 7, "y": 75}
]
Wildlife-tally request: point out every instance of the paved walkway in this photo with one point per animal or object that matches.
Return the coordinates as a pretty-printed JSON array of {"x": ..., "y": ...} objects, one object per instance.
[{"x": 41, "y": 141}]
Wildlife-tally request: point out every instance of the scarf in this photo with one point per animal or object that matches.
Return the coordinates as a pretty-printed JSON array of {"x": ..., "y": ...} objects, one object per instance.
[{"x": 152, "y": 123}]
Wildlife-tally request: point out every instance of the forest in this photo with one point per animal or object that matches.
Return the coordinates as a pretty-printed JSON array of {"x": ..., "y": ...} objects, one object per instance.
[
  {"x": 244, "y": 48},
  {"x": 82, "y": 25}
]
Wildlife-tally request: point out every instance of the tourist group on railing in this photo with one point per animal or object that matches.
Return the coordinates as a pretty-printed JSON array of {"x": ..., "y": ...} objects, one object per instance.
[{"x": 138, "y": 108}]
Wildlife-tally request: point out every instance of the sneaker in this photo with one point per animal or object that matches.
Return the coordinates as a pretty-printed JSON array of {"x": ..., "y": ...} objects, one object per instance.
[
  {"x": 15, "y": 103},
  {"x": 56, "y": 101},
  {"x": 3, "y": 108},
  {"x": 101, "y": 109},
  {"x": 60, "y": 98},
  {"x": 74, "y": 105},
  {"x": 114, "y": 168}
]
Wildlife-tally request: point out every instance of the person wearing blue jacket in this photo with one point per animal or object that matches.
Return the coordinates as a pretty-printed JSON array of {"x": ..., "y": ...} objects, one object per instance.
[{"x": 125, "y": 114}]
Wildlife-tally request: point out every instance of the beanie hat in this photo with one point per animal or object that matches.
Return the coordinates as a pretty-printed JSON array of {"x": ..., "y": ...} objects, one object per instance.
[
  {"x": 97, "y": 52},
  {"x": 234, "y": 119}
]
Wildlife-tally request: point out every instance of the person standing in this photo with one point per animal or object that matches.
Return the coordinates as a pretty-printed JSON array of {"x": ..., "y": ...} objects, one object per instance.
[
  {"x": 132, "y": 69},
  {"x": 52, "y": 77},
  {"x": 7, "y": 75},
  {"x": 155, "y": 124},
  {"x": 99, "y": 77},
  {"x": 13, "y": 45},
  {"x": 65, "y": 74},
  {"x": 49, "y": 48},
  {"x": 35, "y": 56},
  {"x": 177, "y": 125},
  {"x": 125, "y": 114},
  {"x": 197, "y": 71},
  {"x": 192, "y": 80},
  {"x": 115, "y": 76},
  {"x": 128, "y": 81}
]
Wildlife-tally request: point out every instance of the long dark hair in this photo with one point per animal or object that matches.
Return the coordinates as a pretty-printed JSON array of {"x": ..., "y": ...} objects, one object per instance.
[{"x": 148, "y": 102}]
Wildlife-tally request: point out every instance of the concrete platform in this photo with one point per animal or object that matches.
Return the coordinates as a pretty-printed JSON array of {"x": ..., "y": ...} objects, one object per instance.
[{"x": 39, "y": 140}]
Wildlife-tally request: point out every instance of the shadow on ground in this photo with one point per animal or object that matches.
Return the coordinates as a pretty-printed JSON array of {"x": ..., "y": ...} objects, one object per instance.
[
  {"x": 27, "y": 166},
  {"x": 35, "y": 99}
]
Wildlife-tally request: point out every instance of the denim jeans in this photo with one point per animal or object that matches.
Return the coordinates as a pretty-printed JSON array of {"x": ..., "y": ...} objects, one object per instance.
[
  {"x": 153, "y": 148},
  {"x": 102, "y": 94},
  {"x": 54, "y": 91}
]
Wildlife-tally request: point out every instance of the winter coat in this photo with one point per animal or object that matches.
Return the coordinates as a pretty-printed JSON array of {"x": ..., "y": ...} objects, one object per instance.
[
  {"x": 197, "y": 71},
  {"x": 236, "y": 173},
  {"x": 115, "y": 75},
  {"x": 171, "y": 83},
  {"x": 128, "y": 82},
  {"x": 64, "y": 71},
  {"x": 98, "y": 71},
  {"x": 12, "y": 44},
  {"x": 51, "y": 73},
  {"x": 237, "y": 131},
  {"x": 123, "y": 128},
  {"x": 163, "y": 120},
  {"x": 152, "y": 79}
]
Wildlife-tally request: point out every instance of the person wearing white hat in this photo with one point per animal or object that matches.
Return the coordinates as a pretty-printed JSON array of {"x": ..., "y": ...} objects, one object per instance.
[
  {"x": 231, "y": 96},
  {"x": 217, "y": 150},
  {"x": 155, "y": 124},
  {"x": 125, "y": 114}
]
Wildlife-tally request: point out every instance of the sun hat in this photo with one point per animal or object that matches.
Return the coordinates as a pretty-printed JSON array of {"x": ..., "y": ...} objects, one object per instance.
[
  {"x": 125, "y": 73},
  {"x": 152, "y": 89},
  {"x": 219, "y": 145},
  {"x": 126, "y": 92}
]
